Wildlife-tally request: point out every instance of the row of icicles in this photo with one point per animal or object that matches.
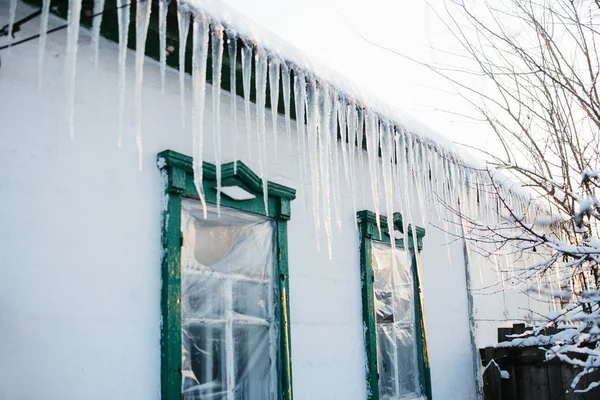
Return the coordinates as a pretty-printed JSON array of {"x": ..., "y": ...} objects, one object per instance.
[{"x": 406, "y": 171}]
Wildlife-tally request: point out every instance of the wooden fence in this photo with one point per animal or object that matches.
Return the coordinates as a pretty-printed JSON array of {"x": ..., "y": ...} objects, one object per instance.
[{"x": 522, "y": 373}]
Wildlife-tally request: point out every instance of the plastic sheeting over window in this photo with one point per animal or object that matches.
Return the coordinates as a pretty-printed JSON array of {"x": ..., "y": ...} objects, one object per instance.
[
  {"x": 229, "y": 325},
  {"x": 396, "y": 330}
]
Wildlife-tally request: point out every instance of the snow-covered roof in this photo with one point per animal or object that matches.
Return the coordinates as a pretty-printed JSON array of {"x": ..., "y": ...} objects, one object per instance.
[
  {"x": 221, "y": 13},
  {"x": 402, "y": 153}
]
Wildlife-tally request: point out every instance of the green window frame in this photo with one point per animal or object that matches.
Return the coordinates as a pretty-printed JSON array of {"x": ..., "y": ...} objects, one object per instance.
[
  {"x": 369, "y": 232},
  {"x": 179, "y": 184}
]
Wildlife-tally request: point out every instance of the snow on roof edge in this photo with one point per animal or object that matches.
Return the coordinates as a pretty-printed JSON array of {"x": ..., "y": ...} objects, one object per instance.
[{"x": 247, "y": 29}]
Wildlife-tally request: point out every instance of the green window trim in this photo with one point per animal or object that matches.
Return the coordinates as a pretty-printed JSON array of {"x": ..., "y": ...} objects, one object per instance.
[
  {"x": 369, "y": 232},
  {"x": 178, "y": 173}
]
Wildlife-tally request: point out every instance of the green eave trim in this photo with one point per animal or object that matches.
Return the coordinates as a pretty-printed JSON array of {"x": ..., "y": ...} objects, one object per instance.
[
  {"x": 368, "y": 221},
  {"x": 230, "y": 173},
  {"x": 110, "y": 30}
]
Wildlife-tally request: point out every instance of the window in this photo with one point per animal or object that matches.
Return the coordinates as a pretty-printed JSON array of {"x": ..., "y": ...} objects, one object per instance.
[
  {"x": 225, "y": 312},
  {"x": 395, "y": 345}
]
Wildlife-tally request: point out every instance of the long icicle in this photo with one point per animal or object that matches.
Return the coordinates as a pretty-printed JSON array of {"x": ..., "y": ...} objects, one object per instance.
[
  {"x": 286, "y": 84},
  {"x": 312, "y": 107},
  {"x": 142, "y": 19},
  {"x": 299, "y": 103},
  {"x": 42, "y": 45},
  {"x": 386, "y": 141},
  {"x": 372, "y": 141},
  {"x": 96, "y": 23},
  {"x": 163, "y": 8},
  {"x": 183, "y": 22},
  {"x": 199, "y": 55},
  {"x": 342, "y": 110},
  {"x": 123, "y": 12},
  {"x": 352, "y": 121},
  {"x": 71, "y": 62},
  {"x": 334, "y": 156},
  {"x": 325, "y": 160},
  {"x": 217, "y": 65},
  {"x": 359, "y": 144},
  {"x": 232, "y": 52},
  {"x": 261, "y": 98},
  {"x": 12, "y": 13},
  {"x": 301, "y": 108},
  {"x": 274, "y": 95},
  {"x": 407, "y": 220},
  {"x": 246, "y": 80}
]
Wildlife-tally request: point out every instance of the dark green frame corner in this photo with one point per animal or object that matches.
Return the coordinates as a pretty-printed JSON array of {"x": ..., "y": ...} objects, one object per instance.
[
  {"x": 179, "y": 183},
  {"x": 367, "y": 222}
]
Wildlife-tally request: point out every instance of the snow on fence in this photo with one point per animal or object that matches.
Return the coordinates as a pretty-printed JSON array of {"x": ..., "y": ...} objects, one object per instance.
[{"x": 517, "y": 369}]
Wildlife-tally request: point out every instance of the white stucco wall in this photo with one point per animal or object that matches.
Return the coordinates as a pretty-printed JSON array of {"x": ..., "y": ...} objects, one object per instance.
[{"x": 80, "y": 245}]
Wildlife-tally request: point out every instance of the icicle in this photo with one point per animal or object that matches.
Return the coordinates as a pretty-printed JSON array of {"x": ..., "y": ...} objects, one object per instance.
[
  {"x": 274, "y": 91},
  {"x": 334, "y": 157},
  {"x": 199, "y": 55},
  {"x": 217, "y": 65},
  {"x": 183, "y": 22},
  {"x": 420, "y": 180},
  {"x": 301, "y": 108},
  {"x": 395, "y": 165},
  {"x": 372, "y": 154},
  {"x": 42, "y": 44},
  {"x": 96, "y": 22},
  {"x": 413, "y": 165},
  {"x": 344, "y": 139},
  {"x": 403, "y": 168},
  {"x": 352, "y": 119},
  {"x": 312, "y": 108},
  {"x": 429, "y": 176},
  {"x": 71, "y": 62},
  {"x": 123, "y": 11},
  {"x": 142, "y": 18},
  {"x": 246, "y": 79},
  {"x": 12, "y": 13},
  {"x": 299, "y": 102},
  {"x": 386, "y": 159},
  {"x": 359, "y": 144},
  {"x": 163, "y": 9},
  {"x": 232, "y": 51},
  {"x": 261, "y": 98},
  {"x": 325, "y": 162},
  {"x": 285, "y": 74},
  {"x": 411, "y": 168}
]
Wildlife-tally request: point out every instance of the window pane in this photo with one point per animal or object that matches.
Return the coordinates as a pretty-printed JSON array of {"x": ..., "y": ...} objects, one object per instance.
[
  {"x": 404, "y": 310},
  {"x": 203, "y": 362},
  {"x": 203, "y": 296},
  {"x": 251, "y": 299},
  {"x": 397, "y": 362},
  {"x": 252, "y": 362},
  {"x": 384, "y": 306},
  {"x": 381, "y": 260},
  {"x": 408, "y": 368},
  {"x": 234, "y": 243},
  {"x": 386, "y": 361}
]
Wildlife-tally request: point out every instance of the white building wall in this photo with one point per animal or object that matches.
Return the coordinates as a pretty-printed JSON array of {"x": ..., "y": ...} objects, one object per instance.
[{"x": 80, "y": 244}]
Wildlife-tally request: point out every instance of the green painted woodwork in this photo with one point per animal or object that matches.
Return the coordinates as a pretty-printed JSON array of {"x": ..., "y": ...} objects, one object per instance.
[
  {"x": 369, "y": 232},
  {"x": 179, "y": 183},
  {"x": 109, "y": 29}
]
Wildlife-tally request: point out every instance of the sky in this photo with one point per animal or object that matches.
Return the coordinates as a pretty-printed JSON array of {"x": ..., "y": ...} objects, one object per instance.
[{"x": 347, "y": 36}]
